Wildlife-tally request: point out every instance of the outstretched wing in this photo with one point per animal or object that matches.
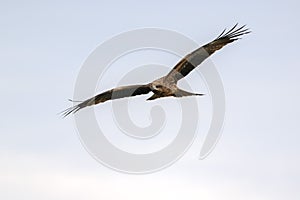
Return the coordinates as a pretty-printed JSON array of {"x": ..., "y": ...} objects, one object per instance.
[
  {"x": 116, "y": 93},
  {"x": 192, "y": 60}
]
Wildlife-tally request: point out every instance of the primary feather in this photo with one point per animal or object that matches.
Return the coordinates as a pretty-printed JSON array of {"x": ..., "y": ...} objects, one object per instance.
[{"x": 192, "y": 60}]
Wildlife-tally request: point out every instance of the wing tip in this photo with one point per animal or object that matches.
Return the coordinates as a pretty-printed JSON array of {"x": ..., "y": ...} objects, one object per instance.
[
  {"x": 234, "y": 33},
  {"x": 69, "y": 111}
]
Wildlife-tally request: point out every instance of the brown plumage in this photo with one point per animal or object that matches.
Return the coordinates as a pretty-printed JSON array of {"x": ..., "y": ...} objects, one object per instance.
[{"x": 167, "y": 85}]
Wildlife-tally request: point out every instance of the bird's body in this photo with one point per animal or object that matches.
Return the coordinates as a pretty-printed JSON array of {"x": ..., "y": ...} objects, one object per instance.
[
  {"x": 162, "y": 88},
  {"x": 166, "y": 86}
]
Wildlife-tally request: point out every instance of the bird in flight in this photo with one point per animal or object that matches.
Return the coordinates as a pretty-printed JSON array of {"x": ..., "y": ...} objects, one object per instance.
[{"x": 166, "y": 86}]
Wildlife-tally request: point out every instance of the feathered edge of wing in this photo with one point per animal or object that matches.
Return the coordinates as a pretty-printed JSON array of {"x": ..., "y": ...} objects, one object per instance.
[
  {"x": 116, "y": 93},
  {"x": 225, "y": 38},
  {"x": 195, "y": 58},
  {"x": 233, "y": 33}
]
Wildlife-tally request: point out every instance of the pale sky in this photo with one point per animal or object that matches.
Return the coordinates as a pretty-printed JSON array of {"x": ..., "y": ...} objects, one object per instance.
[{"x": 43, "y": 45}]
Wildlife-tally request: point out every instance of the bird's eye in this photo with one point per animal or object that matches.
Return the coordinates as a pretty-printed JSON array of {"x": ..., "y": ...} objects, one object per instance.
[{"x": 159, "y": 86}]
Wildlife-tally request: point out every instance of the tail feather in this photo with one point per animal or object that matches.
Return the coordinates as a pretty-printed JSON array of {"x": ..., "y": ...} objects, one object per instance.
[
  {"x": 183, "y": 93},
  {"x": 154, "y": 96}
]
